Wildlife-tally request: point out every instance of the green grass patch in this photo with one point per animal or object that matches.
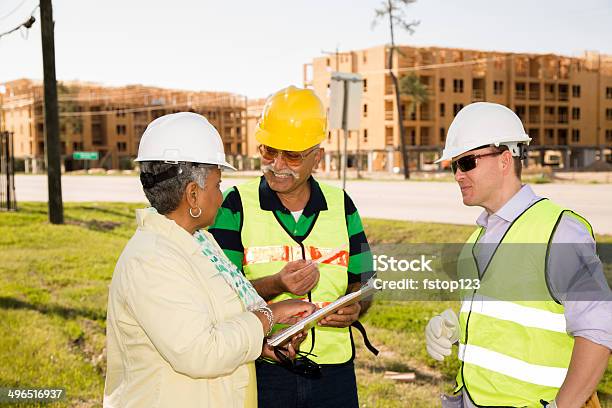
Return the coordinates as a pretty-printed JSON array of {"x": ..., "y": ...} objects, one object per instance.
[{"x": 53, "y": 294}]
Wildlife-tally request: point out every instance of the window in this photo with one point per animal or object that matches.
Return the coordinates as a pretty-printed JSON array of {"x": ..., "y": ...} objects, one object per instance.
[
  {"x": 327, "y": 62},
  {"x": 575, "y": 135},
  {"x": 550, "y": 135},
  {"x": 365, "y": 110},
  {"x": 608, "y": 92},
  {"x": 458, "y": 85},
  {"x": 365, "y": 135},
  {"x": 442, "y": 84},
  {"x": 121, "y": 146},
  {"x": 121, "y": 129},
  {"x": 575, "y": 113},
  {"x": 442, "y": 134},
  {"x": 520, "y": 111},
  {"x": 498, "y": 87},
  {"x": 442, "y": 110},
  {"x": 456, "y": 108},
  {"x": 365, "y": 57},
  {"x": 608, "y": 114},
  {"x": 575, "y": 91},
  {"x": 389, "y": 136},
  {"x": 520, "y": 90},
  {"x": 365, "y": 85},
  {"x": 608, "y": 135}
]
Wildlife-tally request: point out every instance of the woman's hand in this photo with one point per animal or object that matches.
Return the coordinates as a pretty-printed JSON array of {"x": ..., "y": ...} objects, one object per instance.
[
  {"x": 288, "y": 349},
  {"x": 291, "y": 311}
]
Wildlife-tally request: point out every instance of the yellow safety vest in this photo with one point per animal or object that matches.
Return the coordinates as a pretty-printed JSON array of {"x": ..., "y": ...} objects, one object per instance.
[
  {"x": 268, "y": 247},
  {"x": 513, "y": 345}
]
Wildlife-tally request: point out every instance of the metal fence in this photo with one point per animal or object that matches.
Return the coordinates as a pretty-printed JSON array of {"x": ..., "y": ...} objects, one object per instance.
[{"x": 7, "y": 173}]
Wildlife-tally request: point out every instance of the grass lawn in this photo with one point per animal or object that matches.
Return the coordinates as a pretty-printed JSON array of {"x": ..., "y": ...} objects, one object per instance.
[{"x": 53, "y": 290}]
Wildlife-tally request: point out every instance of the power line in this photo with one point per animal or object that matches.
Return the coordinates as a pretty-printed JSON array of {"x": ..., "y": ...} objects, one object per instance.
[
  {"x": 17, "y": 7},
  {"x": 27, "y": 24},
  {"x": 441, "y": 65}
]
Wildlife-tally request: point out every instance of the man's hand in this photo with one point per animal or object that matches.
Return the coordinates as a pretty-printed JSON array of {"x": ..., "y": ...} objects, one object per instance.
[
  {"x": 298, "y": 277},
  {"x": 441, "y": 333},
  {"x": 343, "y": 317}
]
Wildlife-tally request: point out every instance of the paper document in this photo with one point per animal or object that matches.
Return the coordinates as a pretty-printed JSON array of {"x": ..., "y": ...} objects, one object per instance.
[{"x": 284, "y": 335}]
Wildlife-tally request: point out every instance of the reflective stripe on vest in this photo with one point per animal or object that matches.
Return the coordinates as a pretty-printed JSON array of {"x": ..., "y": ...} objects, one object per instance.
[
  {"x": 268, "y": 248},
  {"x": 512, "y": 367},
  {"x": 286, "y": 253},
  {"x": 514, "y": 351}
]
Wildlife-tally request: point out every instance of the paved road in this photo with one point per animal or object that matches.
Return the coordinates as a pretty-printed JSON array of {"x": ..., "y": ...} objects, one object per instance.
[{"x": 416, "y": 201}]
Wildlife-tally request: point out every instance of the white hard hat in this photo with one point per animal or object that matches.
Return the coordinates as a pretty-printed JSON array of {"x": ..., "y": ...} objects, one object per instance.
[
  {"x": 484, "y": 123},
  {"x": 182, "y": 137}
]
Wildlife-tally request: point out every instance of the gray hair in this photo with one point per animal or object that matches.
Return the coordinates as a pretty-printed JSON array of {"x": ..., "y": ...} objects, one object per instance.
[{"x": 166, "y": 195}]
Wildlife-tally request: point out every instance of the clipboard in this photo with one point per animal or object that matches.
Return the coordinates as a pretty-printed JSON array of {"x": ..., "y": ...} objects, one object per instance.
[{"x": 309, "y": 322}]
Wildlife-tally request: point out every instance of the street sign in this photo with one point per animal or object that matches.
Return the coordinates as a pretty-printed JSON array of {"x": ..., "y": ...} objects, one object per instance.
[
  {"x": 345, "y": 100},
  {"x": 85, "y": 155}
]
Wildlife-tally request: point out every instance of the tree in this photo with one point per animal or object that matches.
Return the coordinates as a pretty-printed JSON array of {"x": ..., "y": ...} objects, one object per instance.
[
  {"x": 394, "y": 11},
  {"x": 411, "y": 86}
]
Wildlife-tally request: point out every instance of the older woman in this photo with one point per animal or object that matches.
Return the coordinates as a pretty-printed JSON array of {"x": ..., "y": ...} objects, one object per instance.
[{"x": 184, "y": 326}]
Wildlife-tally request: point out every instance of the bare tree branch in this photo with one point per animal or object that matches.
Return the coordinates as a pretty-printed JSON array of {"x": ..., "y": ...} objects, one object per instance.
[{"x": 394, "y": 11}]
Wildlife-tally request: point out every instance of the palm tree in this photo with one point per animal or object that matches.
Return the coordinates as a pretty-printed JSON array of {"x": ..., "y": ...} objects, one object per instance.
[
  {"x": 395, "y": 12},
  {"x": 411, "y": 86}
]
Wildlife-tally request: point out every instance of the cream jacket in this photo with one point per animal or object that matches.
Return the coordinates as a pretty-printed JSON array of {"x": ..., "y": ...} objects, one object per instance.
[{"x": 177, "y": 333}]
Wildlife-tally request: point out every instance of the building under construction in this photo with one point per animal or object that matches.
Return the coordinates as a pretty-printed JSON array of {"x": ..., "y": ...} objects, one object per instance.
[
  {"x": 109, "y": 120},
  {"x": 565, "y": 103}
]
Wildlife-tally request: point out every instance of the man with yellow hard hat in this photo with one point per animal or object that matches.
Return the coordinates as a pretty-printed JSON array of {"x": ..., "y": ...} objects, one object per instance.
[{"x": 275, "y": 226}]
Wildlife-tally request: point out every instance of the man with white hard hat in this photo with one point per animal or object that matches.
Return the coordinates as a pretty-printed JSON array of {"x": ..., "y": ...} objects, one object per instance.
[{"x": 538, "y": 329}]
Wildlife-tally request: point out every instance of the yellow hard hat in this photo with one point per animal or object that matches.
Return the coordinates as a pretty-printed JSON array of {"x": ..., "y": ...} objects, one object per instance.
[{"x": 293, "y": 119}]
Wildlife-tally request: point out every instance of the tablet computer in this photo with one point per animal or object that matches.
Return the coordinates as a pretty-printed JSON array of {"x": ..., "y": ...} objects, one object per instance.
[{"x": 307, "y": 323}]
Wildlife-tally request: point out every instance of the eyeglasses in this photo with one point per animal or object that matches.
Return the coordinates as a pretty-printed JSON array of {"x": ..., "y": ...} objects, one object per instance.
[
  {"x": 469, "y": 162},
  {"x": 301, "y": 365},
  {"x": 291, "y": 158}
]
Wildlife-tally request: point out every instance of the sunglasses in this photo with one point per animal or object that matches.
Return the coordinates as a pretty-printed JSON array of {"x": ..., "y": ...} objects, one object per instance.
[
  {"x": 301, "y": 365},
  {"x": 291, "y": 158},
  {"x": 469, "y": 162}
]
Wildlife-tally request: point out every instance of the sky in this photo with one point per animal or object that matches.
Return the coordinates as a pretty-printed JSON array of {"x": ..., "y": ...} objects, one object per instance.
[{"x": 254, "y": 48}]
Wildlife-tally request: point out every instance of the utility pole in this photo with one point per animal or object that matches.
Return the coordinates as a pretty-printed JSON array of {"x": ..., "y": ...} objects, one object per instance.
[
  {"x": 52, "y": 143},
  {"x": 337, "y": 56}
]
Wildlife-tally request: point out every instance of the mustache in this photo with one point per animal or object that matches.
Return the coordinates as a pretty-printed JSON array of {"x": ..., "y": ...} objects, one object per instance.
[{"x": 270, "y": 168}]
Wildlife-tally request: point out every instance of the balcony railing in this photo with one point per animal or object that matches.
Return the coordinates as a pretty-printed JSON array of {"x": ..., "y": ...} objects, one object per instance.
[
  {"x": 534, "y": 118},
  {"x": 534, "y": 95},
  {"x": 478, "y": 94},
  {"x": 521, "y": 72},
  {"x": 519, "y": 94},
  {"x": 388, "y": 115}
]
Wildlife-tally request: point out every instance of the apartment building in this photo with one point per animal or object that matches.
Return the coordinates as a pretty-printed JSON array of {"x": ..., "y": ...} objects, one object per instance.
[
  {"x": 565, "y": 103},
  {"x": 109, "y": 120}
]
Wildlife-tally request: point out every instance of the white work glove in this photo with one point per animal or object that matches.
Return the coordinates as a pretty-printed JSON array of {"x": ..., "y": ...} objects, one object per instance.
[{"x": 441, "y": 333}]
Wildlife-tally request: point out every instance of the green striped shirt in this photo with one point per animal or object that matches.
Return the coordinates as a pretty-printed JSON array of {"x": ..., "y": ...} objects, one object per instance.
[{"x": 228, "y": 225}]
